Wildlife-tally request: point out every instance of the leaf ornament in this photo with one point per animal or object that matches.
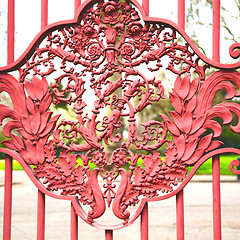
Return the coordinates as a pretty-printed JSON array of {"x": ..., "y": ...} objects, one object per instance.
[
  {"x": 194, "y": 115},
  {"x": 29, "y": 117}
]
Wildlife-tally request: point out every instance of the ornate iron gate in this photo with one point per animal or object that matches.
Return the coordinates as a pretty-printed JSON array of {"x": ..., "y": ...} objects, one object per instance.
[{"x": 101, "y": 66}]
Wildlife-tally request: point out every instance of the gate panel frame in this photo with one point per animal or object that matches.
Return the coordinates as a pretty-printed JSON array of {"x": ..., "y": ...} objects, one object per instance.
[{"x": 144, "y": 204}]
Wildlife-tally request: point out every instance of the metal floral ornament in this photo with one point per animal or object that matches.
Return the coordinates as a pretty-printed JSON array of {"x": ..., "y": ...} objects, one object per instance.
[{"x": 101, "y": 66}]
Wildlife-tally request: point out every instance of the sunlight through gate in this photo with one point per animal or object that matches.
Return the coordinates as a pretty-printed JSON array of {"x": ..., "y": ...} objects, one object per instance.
[{"x": 101, "y": 67}]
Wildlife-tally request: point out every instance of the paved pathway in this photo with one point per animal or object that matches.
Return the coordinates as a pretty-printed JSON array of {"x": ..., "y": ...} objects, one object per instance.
[{"x": 162, "y": 225}]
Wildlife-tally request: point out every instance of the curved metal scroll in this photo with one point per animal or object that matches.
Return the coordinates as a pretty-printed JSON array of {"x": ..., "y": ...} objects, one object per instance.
[{"x": 101, "y": 68}]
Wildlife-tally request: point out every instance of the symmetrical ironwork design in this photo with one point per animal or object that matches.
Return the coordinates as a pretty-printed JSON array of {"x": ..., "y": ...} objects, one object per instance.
[{"x": 100, "y": 67}]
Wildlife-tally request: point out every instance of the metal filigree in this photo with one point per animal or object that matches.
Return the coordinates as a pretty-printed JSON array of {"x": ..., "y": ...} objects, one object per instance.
[{"x": 100, "y": 68}]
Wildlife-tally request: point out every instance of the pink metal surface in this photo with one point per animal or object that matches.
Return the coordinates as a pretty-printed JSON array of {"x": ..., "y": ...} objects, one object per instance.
[
  {"x": 217, "y": 230},
  {"x": 181, "y": 13},
  {"x": 30, "y": 50},
  {"x": 41, "y": 195},
  {"x": 44, "y": 13},
  {"x": 145, "y": 5},
  {"x": 77, "y": 4},
  {"x": 144, "y": 213},
  {"x": 41, "y": 216},
  {"x": 144, "y": 222},
  {"x": 74, "y": 224},
  {"x": 7, "y": 218},
  {"x": 180, "y": 215},
  {"x": 217, "y": 234},
  {"x": 216, "y": 30},
  {"x": 106, "y": 40},
  {"x": 8, "y": 159},
  {"x": 234, "y": 163},
  {"x": 10, "y": 31},
  {"x": 179, "y": 195},
  {"x": 108, "y": 234}
]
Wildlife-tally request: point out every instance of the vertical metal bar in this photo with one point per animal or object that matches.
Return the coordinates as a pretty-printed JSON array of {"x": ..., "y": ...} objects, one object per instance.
[
  {"x": 10, "y": 31},
  {"x": 41, "y": 216},
  {"x": 144, "y": 222},
  {"x": 44, "y": 13},
  {"x": 179, "y": 196},
  {"x": 216, "y": 30},
  {"x": 108, "y": 234},
  {"x": 7, "y": 199},
  {"x": 77, "y": 4},
  {"x": 181, "y": 13},
  {"x": 145, "y": 5},
  {"x": 74, "y": 224},
  {"x": 41, "y": 196},
  {"x": 217, "y": 233},
  {"x": 180, "y": 215},
  {"x": 215, "y": 160}
]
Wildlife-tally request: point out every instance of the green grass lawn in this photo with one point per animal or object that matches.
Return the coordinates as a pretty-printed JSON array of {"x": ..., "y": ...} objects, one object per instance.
[
  {"x": 225, "y": 160},
  {"x": 205, "y": 169},
  {"x": 16, "y": 165}
]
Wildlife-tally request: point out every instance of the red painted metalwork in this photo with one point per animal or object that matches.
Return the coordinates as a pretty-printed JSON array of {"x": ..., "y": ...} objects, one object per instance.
[
  {"x": 8, "y": 159},
  {"x": 7, "y": 199},
  {"x": 102, "y": 54},
  {"x": 180, "y": 215},
  {"x": 216, "y": 159},
  {"x": 216, "y": 198},
  {"x": 236, "y": 164},
  {"x": 108, "y": 234},
  {"x": 145, "y": 5},
  {"x": 179, "y": 196},
  {"x": 144, "y": 213},
  {"x": 44, "y": 13},
  {"x": 41, "y": 195},
  {"x": 10, "y": 31},
  {"x": 181, "y": 13},
  {"x": 41, "y": 216},
  {"x": 77, "y": 4},
  {"x": 144, "y": 222},
  {"x": 216, "y": 30},
  {"x": 74, "y": 224}
]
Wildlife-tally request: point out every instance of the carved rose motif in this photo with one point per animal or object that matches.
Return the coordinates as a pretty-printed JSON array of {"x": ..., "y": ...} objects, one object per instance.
[
  {"x": 94, "y": 50},
  {"x": 110, "y": 10},
  {"x": 100, "y": 158},
  {"x": 118, "y": 158},
  {"x": 135, "y": 30},
  {"x": 127, "y": 49},
  {"x": 77, "y": 39},
  {"x": 89, "y": 31}
]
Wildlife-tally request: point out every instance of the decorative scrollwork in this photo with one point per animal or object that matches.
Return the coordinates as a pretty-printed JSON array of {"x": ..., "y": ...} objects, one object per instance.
[
  {"x": 99, "y": 62},
  {"x": 234, "y": 163}
]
